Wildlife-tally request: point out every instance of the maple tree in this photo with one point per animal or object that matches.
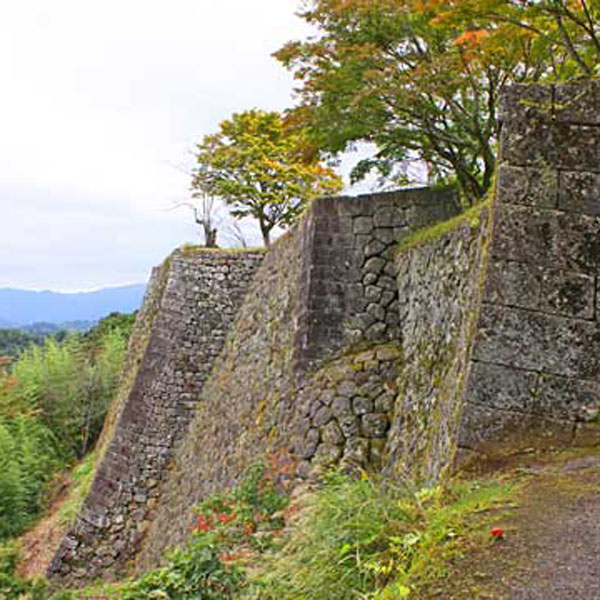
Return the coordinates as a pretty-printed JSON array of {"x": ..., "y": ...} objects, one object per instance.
[
  {"x": 262, "y": 168},
  {"x": 566, "y": 32},
  {"x": 419, "y": 79}
]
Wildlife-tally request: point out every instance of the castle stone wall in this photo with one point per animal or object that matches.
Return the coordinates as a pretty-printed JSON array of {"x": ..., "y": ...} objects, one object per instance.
[
  {"x": 187, "y": 312},
  {"x": 344, "y": 349},
  {"x": 297, "y": 374},
  {"x": 535, "y": 377},
  {"x": 439, "y": 283}
]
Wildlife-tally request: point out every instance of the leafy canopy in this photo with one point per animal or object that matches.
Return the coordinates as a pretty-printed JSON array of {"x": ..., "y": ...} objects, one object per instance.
[
  {"x": 262, "y": 168},
  {"x": 419, "y": 79}
]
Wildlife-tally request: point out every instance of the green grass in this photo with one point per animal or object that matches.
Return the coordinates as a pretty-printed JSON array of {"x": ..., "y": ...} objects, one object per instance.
[
  {"x": 83, "y": 476},
  {"x": 367, "y": 539},
  {"x": 188, "y": 249},
  {"x": 429, "y": 234},
  {"x": 364, "y": 539}
]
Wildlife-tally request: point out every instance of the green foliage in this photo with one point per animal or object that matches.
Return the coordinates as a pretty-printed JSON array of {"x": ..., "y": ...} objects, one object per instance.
[
  {"x": 228, "y": 528},
  {"x": 14, "y": 341},
  {"x": 420, "y": 87},
  {"x": 368, "y": 539},
  {"x": 82, "y": 477},
  {"x": 196, "y": 573},
  {"x": 52, "y": 407},
  {"x": 262, "y": 169}
]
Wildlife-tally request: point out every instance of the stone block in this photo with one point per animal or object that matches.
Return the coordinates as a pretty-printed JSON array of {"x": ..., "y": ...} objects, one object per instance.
[
  {"x": 527, "y": 285},
  {"x": 538, "y": 342},
  {"x": 362, "y": 405},
  {"x": 327, "y": 454},
  {"x": 374, "y": 425},
  {"x": 350, "y": 425},
  {"x": 341, "y": 406},
  {"x": 332, "y": 434},
  {"x": 579, "y": 192},
  {"x": 385, "y": 235},
  {"x": 549, "y": 238},
  {"x": 497, "y": 387},
  {"x": 555, "y": 145},
  {"x": 374, "y": 265},
  {"x": 385, "y": 217},
  {"x": 528, "y": 186},
  {"x": 362, "y": 225},
  {"x": 323, "y": 416},
  {"x": 374, "y": 247},
  {"x": 385, "y": 402},
  {"x": 357, "y": 450},
  {"x": 526, "y": 102},
  {"x": 577, "y": 102},
  {"x": 568, "y": 399}
]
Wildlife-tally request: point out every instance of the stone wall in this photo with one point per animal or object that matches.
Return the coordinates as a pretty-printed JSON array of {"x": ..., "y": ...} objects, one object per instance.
[
  {"x": 536, "y": 358},
  {"x": 439, "y": 281},
  {"x": 352, "y": 295},
  {"x": 482, "y": 333},
  {"x": 192, "y": 300},
  {"x": 297, "y": 373}
]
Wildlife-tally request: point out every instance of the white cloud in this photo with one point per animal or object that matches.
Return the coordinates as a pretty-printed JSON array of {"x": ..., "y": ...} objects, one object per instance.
[{"x": 99, "y": 100}]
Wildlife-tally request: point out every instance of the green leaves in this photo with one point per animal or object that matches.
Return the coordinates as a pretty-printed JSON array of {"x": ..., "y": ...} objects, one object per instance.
[
  {"x": 262, "y": 168},
  {"x": 420, "y": 79}
]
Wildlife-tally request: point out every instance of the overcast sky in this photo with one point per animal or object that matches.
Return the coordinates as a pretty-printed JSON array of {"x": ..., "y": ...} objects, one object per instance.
[{"x": 101, "y": 104}]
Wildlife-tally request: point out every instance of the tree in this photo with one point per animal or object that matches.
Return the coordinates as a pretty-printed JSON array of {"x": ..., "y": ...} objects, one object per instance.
[
  {"x": 392, "y": 73},
  {"x": 565, "y": 31},
  {"x": 262, "y": 168}
]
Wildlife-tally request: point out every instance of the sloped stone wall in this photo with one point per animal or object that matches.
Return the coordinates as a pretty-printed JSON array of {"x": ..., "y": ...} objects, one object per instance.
[
  {"x": 297, "y": 373},
  {"x": 535, "y": 376},
  {"x": 181, "y": 329},
  {"x": 439, "y": 283}
]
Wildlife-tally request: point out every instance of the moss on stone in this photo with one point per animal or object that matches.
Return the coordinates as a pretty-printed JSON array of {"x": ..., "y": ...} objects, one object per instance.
[
  {"x": 430, "y": 234},
  {"x": 190, "y": 249}
]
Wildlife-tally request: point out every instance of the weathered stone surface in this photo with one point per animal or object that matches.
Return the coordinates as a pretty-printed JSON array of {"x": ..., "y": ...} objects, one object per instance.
[
  {"x": 438, "y": 285},
  {"x": 374, "y": 425},
  {"x": 577, "y": 102},
  {"x": 526, "y": 285},
  {"x": 528, "y": 186},
  {"x": 539, "y": 333},
  {"x": 553, "y": 239},
  {"x": 553, "y": 144},
  {"x": 526, "y": 103},
  {"x": 579, "y": 192},
  {"x": 176, "y": 347},
  {"x": 502, "y": 388},
  {"x": 538, "y": 341}
]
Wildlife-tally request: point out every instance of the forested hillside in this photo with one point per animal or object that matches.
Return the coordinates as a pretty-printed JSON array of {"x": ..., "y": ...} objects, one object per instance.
[{"x": 53, "y": 400}]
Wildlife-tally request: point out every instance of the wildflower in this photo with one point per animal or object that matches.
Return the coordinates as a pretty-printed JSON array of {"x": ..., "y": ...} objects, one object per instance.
[
  {"x": 498, "y": 533},
  {"x": 204, "y": 523},
  {"x": 225, "y": 518}
]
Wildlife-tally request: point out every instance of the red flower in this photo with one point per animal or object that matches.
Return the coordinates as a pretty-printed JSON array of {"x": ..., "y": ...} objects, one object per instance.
[
  {"x": 204, "y": 523},
  {"x": 498, "y": 533},
  {"x": 225, "y": 518}
]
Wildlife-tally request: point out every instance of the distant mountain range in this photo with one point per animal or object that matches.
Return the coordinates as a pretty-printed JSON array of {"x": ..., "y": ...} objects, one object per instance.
[{"x": 19, "y": 308}]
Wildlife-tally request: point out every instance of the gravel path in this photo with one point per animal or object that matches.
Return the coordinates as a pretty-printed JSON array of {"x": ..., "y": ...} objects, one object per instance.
[{"x": 551, "y": 550}]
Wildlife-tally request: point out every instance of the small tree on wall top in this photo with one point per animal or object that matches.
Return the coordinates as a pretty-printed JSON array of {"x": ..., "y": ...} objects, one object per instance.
[{"x": 262, "y": 168}]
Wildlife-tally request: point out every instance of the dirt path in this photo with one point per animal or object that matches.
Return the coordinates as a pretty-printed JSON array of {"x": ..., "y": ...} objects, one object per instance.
[
  {"x": 40, "y": 543},
  {"x": 551, "y": 548}
]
